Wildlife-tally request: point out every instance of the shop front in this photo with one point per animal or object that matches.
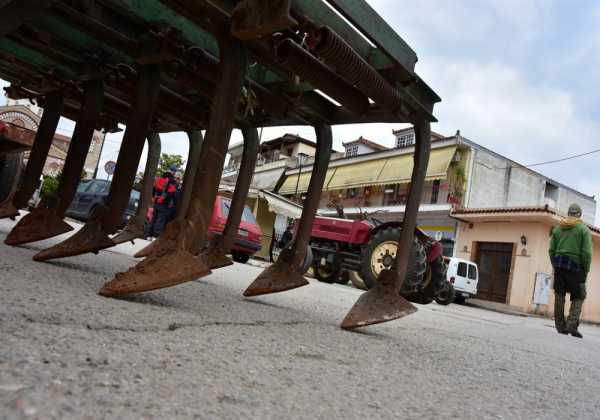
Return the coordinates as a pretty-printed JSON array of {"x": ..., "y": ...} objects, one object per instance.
[{"x": 510, "y": 247}]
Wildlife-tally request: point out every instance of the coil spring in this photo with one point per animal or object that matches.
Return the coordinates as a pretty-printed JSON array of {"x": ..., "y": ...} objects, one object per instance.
[
  {"x": 322, "y": 77},
  {"x": 339, "y": 55}
]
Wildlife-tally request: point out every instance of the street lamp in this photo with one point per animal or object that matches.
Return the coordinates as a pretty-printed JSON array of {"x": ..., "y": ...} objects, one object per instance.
[{"x": 301, "y": 158}]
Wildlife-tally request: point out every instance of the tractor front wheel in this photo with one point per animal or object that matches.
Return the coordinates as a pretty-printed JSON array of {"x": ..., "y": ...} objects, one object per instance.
[{"x": 327, "y": 273}]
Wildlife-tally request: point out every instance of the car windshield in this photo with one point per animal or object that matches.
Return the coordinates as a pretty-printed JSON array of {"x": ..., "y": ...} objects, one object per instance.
[
  {"x": 247, "y": 215},
  {"x": 98, "y": 187},
  {"x": 83, "y": 185}
]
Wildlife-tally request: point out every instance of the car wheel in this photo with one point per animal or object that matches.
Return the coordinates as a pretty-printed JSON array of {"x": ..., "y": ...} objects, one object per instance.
[
  {"x": 240, "y": 258},
  {"x": 446, "y": 296},
  {"x": 460, "y": 299}
]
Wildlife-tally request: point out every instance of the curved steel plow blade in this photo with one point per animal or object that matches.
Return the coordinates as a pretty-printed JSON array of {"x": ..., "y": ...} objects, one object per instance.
[
  {"x": 157, "y": 272},
  {"x": 133, "y": 230},
  {"x": 42, "y": 223},
  {"x": 148, "y": 249},
  {"x": 8, "y": 210},
  {"x": 90, "y": 238},
  {"x": 215, "y": 256},
  {"x": 279, "y": 277},
  {"x": 380, "y": 304}
]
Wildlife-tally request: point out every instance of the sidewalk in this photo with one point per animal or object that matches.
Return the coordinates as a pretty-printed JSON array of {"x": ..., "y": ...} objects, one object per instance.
[{"x": 498, "y": 307}]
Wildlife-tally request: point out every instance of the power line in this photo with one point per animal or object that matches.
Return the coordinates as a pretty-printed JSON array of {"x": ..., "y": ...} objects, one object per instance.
[
  {"x": 553, "y": 161},
  {"x": 566, "y": 158}
]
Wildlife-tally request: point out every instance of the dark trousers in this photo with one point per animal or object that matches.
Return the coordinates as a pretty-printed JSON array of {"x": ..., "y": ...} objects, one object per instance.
[
  {"x": 572, "y": 282},
  {"x": 159, "y": 219}
]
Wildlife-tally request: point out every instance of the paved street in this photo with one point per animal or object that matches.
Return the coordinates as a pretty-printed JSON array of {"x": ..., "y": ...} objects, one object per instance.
[{"x": 201, "y": 350}]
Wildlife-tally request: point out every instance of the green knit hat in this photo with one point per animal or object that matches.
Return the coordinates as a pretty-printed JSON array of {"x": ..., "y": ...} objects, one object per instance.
[{"x": 574, "y": 210}]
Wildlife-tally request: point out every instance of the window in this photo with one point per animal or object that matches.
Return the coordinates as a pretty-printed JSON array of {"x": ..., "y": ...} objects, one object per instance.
[
  {"x": 135, "y": 195},
  {"x": 551, "y": 193},
  {"x": 395, "y": 194},
  {"x": 351, "y": 192},
  {"x": 472, "y": 272},
  {"x": 405, "y": 140},
  {"x": 435, "y": 190},
  {"x": 352, "y": 150},
  {"x": 462, "y": 270}
]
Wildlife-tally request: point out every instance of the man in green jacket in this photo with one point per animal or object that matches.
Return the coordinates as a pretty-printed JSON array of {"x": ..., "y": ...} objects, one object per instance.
[{"x": 571, "y": 257}]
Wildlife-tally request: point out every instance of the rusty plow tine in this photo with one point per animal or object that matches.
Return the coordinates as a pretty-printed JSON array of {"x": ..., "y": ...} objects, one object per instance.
[
  {"x": 53, "y": 107},
  {"x": 285, "y": 273},
  {"x": 380, "y": 304},
  {"x": 383, "y": 302},
  {"x": 279, "y": 277},
  {"x": 147, "y": 250},
  {"x": 215, "y": 255},
  {"x": 8, "y": 210},
  {"x": 157, "y": 272},
  {"x": 216, "y": 252},
  {"x": 90, "y": 238},
  {"x": 42, "y": 223},
  {"x": 135, "y": 226},
  {"x": 133, "y": 230}
]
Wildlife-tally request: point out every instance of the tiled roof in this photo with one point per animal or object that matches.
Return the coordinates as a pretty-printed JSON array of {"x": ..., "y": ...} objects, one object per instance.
[
  {"x": 525, "y": 209},
  {"x": 504, "y": 210},
  {"x": 366, "y": 142}
]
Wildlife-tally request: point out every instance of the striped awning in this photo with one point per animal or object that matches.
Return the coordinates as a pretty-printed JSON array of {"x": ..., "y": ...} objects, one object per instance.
[{"x": 382, "y": 171}]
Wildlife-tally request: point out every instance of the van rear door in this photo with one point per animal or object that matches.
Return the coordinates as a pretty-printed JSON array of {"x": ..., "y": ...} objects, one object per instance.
[
  {"x": 460, "y": 276},
  {"x": 472, "y": 279}
]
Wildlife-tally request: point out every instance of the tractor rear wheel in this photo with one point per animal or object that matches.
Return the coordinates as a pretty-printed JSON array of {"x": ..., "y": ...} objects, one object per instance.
[{"x": 380, "y": 254}]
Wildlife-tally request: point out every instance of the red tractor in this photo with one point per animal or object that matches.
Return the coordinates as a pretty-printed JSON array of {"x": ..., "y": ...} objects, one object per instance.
[{"x": 367, "y": 247}]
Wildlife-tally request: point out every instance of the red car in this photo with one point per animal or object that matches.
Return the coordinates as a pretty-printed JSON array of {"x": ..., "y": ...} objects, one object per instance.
[{"x": 249, "y": 235}]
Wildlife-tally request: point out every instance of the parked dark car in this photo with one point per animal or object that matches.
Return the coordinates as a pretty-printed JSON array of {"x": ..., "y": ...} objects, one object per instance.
[{"x": 90, "y": 193}]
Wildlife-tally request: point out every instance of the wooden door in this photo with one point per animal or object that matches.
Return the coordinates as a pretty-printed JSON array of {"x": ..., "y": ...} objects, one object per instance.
[{"x": 494, "y": 261}]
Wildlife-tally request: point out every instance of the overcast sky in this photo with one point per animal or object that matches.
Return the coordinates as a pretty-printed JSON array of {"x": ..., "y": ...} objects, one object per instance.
[{"x": 518, "y": 76}]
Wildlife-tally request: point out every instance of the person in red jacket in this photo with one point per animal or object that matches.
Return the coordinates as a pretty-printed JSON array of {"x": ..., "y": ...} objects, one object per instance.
[{"x": 164, "y": 197}]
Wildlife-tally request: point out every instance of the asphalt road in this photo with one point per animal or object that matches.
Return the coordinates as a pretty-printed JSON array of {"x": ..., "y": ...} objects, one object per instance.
[{"x": 201, "y": 350}]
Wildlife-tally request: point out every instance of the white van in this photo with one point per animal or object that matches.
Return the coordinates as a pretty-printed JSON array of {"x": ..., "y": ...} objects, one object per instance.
[{"x": 464, "y": 275}]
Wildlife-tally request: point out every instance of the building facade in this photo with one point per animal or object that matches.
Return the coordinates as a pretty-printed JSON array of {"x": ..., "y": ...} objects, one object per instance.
[
  {"x": 275, "y": 156},
  {"x": 377, "y": 182},
  {"x": 481, "y": 205},
  {"x": 26, "y": 114},
  {"x": 461, "y": 174}
]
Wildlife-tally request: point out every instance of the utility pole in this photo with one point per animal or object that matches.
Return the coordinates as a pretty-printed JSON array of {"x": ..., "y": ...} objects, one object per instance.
[
  {"x": 300, "y": 157},
  {"x": 100, "y": 154}
]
